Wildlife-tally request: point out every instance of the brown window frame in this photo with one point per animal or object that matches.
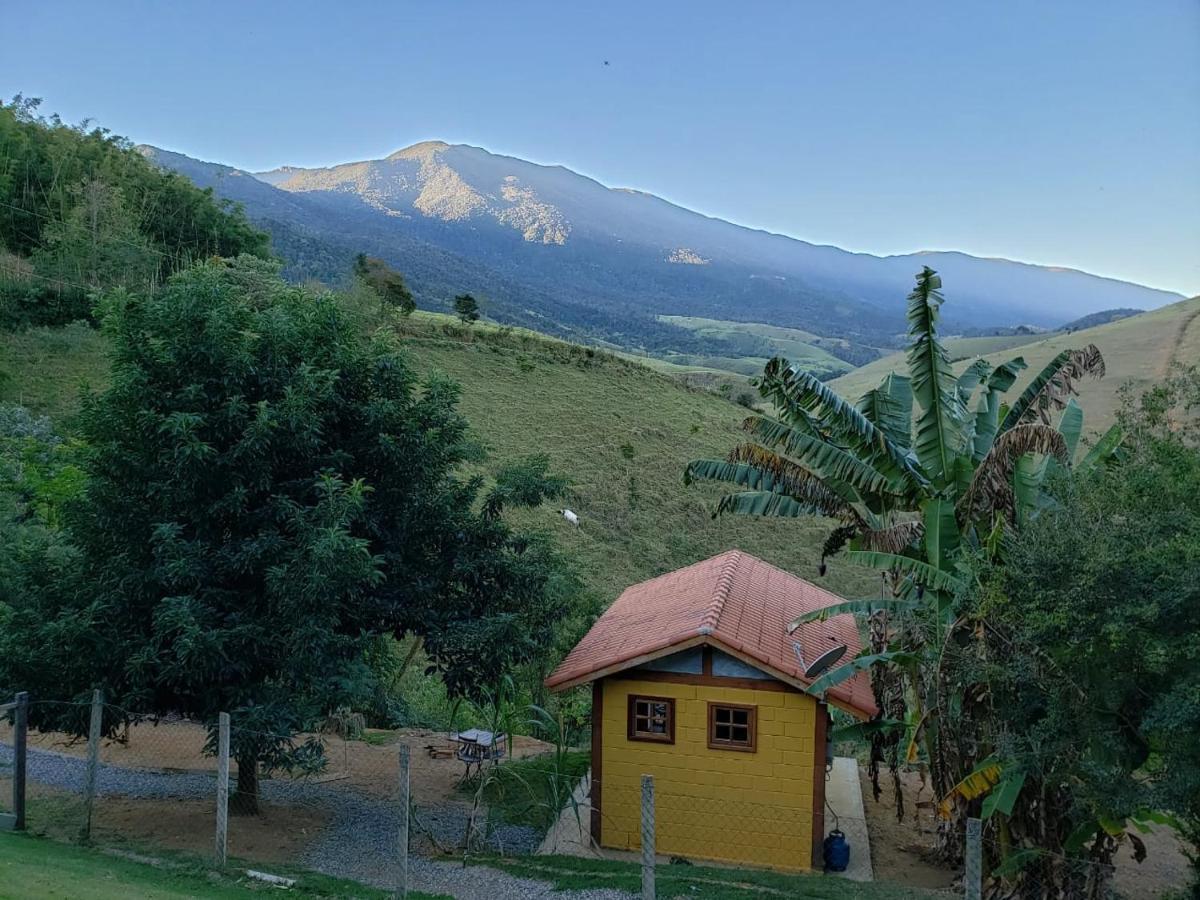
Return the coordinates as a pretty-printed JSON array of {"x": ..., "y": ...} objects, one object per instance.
[
  {"x": 652, "y": 737},
  {"x": 750, "y": 745}
]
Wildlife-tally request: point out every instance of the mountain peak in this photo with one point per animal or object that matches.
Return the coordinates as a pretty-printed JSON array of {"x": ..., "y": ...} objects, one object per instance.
[{"x": 422, "y": 150}]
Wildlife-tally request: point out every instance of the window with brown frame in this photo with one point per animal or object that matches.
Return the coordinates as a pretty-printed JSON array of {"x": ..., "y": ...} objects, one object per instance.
[
  {"x": 652, "y": 719},
  {"x": 732, "y": 727}
]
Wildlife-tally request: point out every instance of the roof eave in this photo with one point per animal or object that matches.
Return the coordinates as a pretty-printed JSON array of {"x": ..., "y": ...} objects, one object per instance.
[{"x": 712, "y": 641}]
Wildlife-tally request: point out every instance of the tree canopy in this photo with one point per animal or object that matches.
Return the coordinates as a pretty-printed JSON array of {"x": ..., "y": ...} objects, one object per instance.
[
  {"x": 81, "y": 210},
  {"x": 384, "y": 281},
  {"x": 1085, "y": 661},
  {"x": 467, "y": 308},
  {"x": 268, "y": 492}
]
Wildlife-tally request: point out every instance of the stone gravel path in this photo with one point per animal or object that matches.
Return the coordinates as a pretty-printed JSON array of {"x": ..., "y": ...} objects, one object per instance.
[{"x": 357, "y": 844}]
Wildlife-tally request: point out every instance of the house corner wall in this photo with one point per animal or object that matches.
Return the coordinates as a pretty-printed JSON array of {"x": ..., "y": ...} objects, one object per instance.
[{"x": 752, "y": 808}]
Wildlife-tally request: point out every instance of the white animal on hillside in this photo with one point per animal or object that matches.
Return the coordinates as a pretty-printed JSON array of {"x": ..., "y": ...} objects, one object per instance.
[{"x": 570, "y": 517}]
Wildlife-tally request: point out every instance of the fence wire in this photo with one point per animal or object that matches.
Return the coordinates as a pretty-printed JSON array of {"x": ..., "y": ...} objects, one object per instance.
[
  {"x": 1016, "y": 872},
  {"x": 326, "y": 801}
]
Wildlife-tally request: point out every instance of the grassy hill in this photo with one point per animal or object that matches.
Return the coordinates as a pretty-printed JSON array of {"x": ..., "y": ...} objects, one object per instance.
[
  {"x": 758, "y": 342},
  {"x": 620, "y": 431},
  {"x": 1137, "y": 350}
]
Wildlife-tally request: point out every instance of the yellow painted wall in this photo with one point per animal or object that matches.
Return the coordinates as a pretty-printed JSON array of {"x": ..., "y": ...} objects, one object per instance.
[{"x": 728, "y": 805}]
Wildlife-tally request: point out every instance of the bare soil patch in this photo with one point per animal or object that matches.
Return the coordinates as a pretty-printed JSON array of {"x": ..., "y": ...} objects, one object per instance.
[
  {"x": 900, "y": 851},
  {"x": 371, "y": 767}
]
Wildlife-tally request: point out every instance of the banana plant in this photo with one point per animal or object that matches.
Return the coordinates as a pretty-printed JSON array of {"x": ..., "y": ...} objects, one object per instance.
[
  {"x": 910, "y": 471},
  {"x": 917, "y": 469}
]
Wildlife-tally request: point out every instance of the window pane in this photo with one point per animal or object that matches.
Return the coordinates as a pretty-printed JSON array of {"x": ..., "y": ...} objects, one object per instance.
[
  {"x": 660, "y": 709},
  {"x": 722, "y": 732},
  {"x": 740, "y": 716}
]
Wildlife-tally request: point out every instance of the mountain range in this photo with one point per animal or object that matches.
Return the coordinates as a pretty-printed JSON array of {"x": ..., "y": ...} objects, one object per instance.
[{"x": 554, "y": 250}]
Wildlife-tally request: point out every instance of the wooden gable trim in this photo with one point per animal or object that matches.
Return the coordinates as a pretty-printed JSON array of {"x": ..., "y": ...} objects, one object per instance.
[
  {"x": 784, "y": 681},
  {"x": 631, "y": 663}
]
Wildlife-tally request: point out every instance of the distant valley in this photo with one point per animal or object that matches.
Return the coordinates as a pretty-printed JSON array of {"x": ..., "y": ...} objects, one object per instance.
[{"x": 549, "y": 249}]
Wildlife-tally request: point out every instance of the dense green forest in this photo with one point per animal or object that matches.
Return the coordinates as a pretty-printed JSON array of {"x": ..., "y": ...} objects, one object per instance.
[{"x": 82, "y": 211}]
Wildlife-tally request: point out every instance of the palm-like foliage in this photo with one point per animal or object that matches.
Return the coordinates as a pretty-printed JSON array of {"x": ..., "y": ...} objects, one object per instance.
[
  {"x": 916, "y": 470},
  {"x": 909, "y": 470}
]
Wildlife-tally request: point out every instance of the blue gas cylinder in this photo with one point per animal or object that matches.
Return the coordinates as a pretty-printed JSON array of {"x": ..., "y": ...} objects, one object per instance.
[{"x": 837, "y": 852}]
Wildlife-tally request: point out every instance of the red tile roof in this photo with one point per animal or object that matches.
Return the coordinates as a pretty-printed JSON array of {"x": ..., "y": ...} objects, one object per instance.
[{"x": 734, "y": 602}]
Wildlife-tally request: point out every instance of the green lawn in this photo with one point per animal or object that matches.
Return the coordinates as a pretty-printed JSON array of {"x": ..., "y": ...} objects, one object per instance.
[
  {"x": 695, "y": 882},
  {"x": 33, "y": 868}
]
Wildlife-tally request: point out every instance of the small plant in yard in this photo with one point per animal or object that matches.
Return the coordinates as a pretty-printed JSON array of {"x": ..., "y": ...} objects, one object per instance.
[
  {"x": 345, "y": 723},
  {"x": 531, "y": 792}
]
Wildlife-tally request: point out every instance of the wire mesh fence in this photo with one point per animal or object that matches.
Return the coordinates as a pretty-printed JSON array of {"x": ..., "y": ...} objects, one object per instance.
[
  {"x": 1011, "y": 871},
  {"x": 714, "y": 815},
  {"x": 332, "y": 801}
]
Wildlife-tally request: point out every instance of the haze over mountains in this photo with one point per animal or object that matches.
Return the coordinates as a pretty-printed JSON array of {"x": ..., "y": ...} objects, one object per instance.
[{"x": 557, "y": 251}]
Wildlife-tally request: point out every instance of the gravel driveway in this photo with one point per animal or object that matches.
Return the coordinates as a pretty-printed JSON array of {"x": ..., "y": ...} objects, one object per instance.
[{"x": 357, "y": 844}]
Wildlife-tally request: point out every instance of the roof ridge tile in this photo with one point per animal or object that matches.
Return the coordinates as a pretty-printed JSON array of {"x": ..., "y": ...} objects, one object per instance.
[{"x": 712, "y": 615}]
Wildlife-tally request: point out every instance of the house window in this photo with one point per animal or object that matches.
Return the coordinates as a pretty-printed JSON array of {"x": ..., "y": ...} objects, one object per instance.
[
  {"x": 731, "y": 727},
  {"x": 652, "y": 719}
]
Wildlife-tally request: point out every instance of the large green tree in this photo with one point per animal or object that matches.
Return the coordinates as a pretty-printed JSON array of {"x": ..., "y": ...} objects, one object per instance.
[
  {"x": 919, "y": 470},
  {"x": 385, "y": 282},
  {"x": 268, "y": 493},
  {"x": 1084, "y": 653}
]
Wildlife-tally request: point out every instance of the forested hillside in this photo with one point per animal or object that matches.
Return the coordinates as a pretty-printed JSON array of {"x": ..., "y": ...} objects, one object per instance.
[{"x": 81, "y": 211}]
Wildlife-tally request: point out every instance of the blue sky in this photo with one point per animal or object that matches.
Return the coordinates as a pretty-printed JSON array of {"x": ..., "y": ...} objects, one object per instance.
[{"x": 1055, "y": 132}]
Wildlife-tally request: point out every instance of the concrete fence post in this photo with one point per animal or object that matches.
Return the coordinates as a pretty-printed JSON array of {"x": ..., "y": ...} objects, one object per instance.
[
  {"x": 403, "y": 801},
  {"x": 973, "y": 877},
  {"x": 222, "y": 846},
  {"x": 93, "y": 763},
  {"x": 20, "y": 738},
  {"x": 647, "y": 837}
]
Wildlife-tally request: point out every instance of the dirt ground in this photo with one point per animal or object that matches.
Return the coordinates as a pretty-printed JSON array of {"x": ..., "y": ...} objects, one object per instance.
[
  {"x": 369, "y": 766},
  {"x": 899, "y": 851}
]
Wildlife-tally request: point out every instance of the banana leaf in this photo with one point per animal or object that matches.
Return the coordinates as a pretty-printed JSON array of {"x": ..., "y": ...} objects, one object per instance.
[
  {"x": 978, "y": 782},
  {"x": 848, "y": 670},
  {"x": 1053, "y": 382},
  {"x": 889, "y": 408},
  {"x": 1004, "y": 796},
  {"x": 941, "y": 413},
  {"x": 932, "y": 577},
  {"x": 941, "y": 532},
  {"x": 1103, "y": 449},
  {"x": 868, "y": 606},
  {"x": 836, "y": 500},
  {"x": 790, "y": 387}
]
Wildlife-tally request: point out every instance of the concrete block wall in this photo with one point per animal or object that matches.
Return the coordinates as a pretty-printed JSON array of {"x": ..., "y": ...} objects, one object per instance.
[{"x": 734, "y": 806}]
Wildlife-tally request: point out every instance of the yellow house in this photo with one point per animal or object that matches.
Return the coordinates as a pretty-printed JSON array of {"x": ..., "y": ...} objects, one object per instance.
[{"x": 697, "y": 681}]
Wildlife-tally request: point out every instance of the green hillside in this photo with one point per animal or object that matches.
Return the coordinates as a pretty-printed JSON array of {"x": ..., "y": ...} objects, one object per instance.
[
  {"x": 757, "y": 342},
  {"x": 620, "y": 431},
  {"x": 1138, "y": 350},
  {"x": 970, "y": 347}
]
